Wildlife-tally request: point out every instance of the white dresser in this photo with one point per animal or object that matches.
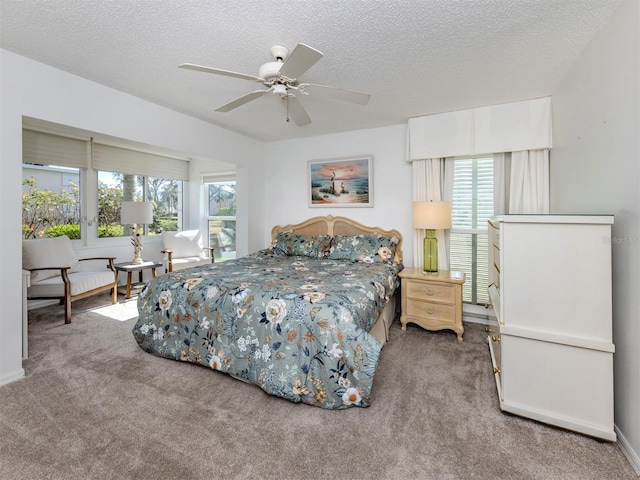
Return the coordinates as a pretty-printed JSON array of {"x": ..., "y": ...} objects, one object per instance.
[{"x": 551, "y": 348}]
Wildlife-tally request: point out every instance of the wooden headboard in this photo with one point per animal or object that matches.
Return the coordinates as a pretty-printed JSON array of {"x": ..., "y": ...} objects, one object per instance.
[{"x": 330, "y": 225}]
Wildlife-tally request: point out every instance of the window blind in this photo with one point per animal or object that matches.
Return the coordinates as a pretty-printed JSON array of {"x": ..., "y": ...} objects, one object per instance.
[
  {"x": 471, "y": 208},
  {"x": 110, "y": 158},
  {"x": 47, "y": 149},
  {"x": 219, "y": 177}
]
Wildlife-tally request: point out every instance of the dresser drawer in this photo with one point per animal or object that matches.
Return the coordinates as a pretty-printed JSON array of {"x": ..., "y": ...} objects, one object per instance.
[
  {"x": 495, "y": 233},
  {"x": 436, "y": 292},
  {"x": 428, "y": 310}
]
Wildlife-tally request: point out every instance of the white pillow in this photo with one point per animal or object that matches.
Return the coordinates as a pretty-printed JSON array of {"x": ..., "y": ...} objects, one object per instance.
[
  {"x": 48, "y": 252},
  {"x": 183, "y": 244}
]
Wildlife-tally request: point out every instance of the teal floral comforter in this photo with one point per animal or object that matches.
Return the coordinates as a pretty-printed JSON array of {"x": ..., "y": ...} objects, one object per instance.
[{"x": 295, "y": 326}]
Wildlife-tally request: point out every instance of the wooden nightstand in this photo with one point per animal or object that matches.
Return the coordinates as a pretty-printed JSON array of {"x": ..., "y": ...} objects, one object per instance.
[{"x": 432, "y": 300}]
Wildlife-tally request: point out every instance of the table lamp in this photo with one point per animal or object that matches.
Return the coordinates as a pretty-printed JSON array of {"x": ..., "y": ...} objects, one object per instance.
[
  {"x": 136, "y": 213},
  {"x": 431, "y": 216}
]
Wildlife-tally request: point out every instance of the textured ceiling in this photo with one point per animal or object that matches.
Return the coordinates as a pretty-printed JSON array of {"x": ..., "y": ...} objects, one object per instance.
[{"x": 414, "y": 57}]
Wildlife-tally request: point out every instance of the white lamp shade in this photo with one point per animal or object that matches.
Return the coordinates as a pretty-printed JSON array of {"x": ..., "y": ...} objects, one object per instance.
[
  {"x": 136, "y": 212},
  {"x": 432, "y": 215}
]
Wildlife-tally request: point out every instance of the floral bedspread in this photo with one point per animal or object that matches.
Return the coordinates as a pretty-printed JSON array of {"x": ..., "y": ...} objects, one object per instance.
[{"x": 295, "y": 326}]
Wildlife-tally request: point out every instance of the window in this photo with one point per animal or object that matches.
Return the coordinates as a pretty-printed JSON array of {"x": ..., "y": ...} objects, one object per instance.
[
  {"x": 75, "y": 187},
  {"x": 164, "y": 194},
  {"x": 53, "y": 187},
  {"x": 471, "y": 208},
  {"x": 50, "y": 201},
  {"x": 221, "y": 218}
]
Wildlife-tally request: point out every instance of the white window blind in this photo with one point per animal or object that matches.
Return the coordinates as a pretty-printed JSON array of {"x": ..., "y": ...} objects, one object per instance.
[
  {"x": 219, "y": 177},
  {"x": 40, "y": 148},
  {"x": 134, "y": 162},
  {"x": 471, "y": 208}
]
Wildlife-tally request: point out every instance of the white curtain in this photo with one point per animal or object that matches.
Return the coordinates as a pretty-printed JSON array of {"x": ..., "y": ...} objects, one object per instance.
[
  {"x": 529, "y": 182},
  {"x": 521, "y": 182},
  {"x": 501, "y": 174},
  {"x": 432, "y": 181}
]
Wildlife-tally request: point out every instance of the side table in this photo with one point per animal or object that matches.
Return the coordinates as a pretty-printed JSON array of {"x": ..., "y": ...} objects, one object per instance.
[
  {"x": 432, "y": 300},
  {"x": 130, "y": 268}
]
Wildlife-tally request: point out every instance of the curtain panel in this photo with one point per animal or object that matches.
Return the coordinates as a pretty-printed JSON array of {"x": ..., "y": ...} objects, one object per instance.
[{"x": 432, "y": 181}]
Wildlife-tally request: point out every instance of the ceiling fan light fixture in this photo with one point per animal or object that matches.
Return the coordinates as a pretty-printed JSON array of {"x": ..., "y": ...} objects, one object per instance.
[{"x": 280, "y": 89}]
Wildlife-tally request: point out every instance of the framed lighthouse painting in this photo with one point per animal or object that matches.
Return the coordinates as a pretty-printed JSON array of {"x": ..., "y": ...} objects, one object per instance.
[{"x": 341, "y": 182}]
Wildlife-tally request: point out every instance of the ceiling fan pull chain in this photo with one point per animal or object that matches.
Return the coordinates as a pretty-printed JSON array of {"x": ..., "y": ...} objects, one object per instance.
[{"x": 287, "y": 98}]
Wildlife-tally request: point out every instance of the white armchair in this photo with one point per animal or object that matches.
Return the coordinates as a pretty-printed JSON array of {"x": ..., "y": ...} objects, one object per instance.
[
  {"x": 57, "y": 272},
  {"x": 185, "y": 250}
]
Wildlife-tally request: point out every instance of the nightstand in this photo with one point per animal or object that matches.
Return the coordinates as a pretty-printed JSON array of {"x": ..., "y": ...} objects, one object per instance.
[{"x": 432, "y": 300}]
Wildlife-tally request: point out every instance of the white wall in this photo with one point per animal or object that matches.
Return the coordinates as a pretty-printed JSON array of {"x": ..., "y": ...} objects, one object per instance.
[
  {"x": 32, "y": 89},
  {"x": 286, "y": 180},
  {"x": 595, "y": 168}
]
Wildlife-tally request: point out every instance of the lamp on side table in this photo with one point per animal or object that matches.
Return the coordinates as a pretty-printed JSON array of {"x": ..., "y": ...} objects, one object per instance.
[
  {"x": 431, "y": 216},
  {"x": 136, "y": 213}
]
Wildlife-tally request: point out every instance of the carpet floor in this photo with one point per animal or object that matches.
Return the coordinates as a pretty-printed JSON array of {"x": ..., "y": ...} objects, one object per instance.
[{"x": 93, "y": 405}]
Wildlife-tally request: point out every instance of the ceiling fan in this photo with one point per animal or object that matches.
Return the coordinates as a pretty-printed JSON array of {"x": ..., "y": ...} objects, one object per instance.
[{"x": 281, "y": 77}]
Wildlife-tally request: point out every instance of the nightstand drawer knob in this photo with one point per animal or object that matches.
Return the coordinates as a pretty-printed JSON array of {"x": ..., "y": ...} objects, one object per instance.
[
  {"x": 429, "y": 291},
  {"x": 495, "y": 338}
]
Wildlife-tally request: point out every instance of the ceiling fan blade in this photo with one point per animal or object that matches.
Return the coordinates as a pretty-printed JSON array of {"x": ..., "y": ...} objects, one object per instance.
[
  {"x": 299, "y": 61},
  {"x": 336, "y": 93},
  {"x": 297, "y": 111},
  {"x": 241, "y": 100},
  {"x": 217, "y": 71}
]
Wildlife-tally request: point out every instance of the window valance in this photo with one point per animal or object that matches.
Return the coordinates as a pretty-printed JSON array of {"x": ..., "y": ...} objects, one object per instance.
[{"x": 509, "y": 127}]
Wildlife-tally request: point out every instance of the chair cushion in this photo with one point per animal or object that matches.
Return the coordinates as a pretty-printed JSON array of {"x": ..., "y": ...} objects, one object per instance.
[
  {"x": 80, "y": 282},
  {"x": 187, "y": 243},
  {"x": 48, "y": 252},
  {"x": 188, "y": 262}
]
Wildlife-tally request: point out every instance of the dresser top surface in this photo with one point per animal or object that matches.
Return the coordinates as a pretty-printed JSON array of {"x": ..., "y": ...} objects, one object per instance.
[{"x": 603, "y": 219}]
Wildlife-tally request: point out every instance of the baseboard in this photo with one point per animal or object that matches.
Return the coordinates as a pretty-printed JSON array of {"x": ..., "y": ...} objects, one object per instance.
[
  {"x": 12, "y": 377},
  {"x": 478, "y": 314},
  {"x": 43, "y": 302},
  {"x": 472, "y": 319},
  {"x": 627, "y": 450}
]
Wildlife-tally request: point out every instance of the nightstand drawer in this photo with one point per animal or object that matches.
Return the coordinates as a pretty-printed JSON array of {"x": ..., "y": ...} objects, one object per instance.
[
  {"x": 431, "y": 291},
  {"x": 416, "y": 308}
]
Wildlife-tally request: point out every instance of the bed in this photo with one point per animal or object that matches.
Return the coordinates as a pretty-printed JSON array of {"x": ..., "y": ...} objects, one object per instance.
[{"x": 304, "y": 319}]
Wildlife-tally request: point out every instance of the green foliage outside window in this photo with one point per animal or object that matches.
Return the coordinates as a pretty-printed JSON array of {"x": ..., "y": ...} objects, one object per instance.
[{"x": 42, "y": 210}]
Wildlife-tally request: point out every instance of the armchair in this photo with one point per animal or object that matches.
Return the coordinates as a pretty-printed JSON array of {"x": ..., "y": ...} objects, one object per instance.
[
  {"x": 57, "y": 272},
  {"x": 185, "y": 250}
]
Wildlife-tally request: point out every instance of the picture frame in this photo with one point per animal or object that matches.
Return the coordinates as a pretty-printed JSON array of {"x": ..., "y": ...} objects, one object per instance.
[{"x": 341, "y": 182}]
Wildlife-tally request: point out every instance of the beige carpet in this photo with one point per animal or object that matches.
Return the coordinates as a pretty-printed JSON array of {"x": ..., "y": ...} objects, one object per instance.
[{"x": 94, "y": 405}]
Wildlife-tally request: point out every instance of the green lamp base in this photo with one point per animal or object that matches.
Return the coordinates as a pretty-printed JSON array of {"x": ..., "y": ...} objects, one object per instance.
[{"x": 430, "y": 251}]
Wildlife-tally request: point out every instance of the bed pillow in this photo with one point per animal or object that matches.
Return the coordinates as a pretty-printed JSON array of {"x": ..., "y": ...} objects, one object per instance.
[
  {"x": 370, "y": 248},
  {"x": 187, "y": 243},
  {"x": 289, "y": 243},
  {"x": 48, "y": 252}
]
